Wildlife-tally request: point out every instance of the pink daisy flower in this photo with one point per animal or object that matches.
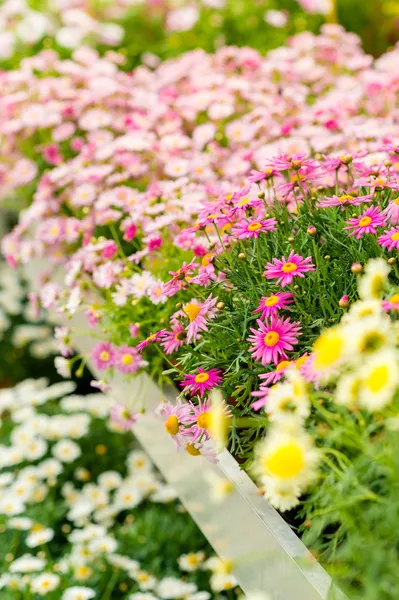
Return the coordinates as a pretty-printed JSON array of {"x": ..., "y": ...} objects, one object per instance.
[
  {"x": 252, "y": 228},
  {"x": 274, "y": 376},
  {"x": 174, "y": 417},
  {"x": 390, "y": 239},
  {"x": 366, "y": 222},
  {"x": 127, "y": 359},
  {"x": 179, "y": 278},
  {"x": 152, "y": 338},
  {"x": 272, "y": 339},
  {"x": 262, "y": 394},
  {"x": 198, "y": 314},
  {"x": 392, "y": 211},
  {"x": 173, "y": 340},
  {"x": 391, "y": 303},
  {"x": 103, "y": 355},
  {"x": 344, "y": 200},
  {"x": 121, "y": 416},
  {"x": 198, "y": 420},
  {"x": 270, "y": 305},
  {"x": 202, "y": 381},
  {"x": 286, "y": 269}
]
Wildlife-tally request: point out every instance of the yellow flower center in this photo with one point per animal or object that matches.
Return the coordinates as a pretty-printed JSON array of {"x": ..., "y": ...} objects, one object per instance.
[
  {"x": 396, "y": 200},
  {"x": 192, "y": 311},
  {"x": 201, "y": 378},
  {"x": 301, "y": 361},
  {"x": 225, "y": 227},
  {"x": 328, "y": 349},
  {"x": 364, "y": 221},
  {"x": 395, "y": 236},
  {"x": 54, "y": 230},
  {"x": 254, "y": 226},
  {"x": 192, "y": 450},
  {"x": 206, "y": 259},
  {"x": 271, "y": 338},
  {"x": 271, "y": 300},
  {"x": 282, "y": 365},
  {"x": 244, "y": 201},
  {"x": 345, "y": 198},
  {"x": 127, "y": 359},
  {"x": 172, "y": 425},
  {"x": 289, "y": 267},
  {"x": 104, "y": 356},
  {"x": 204, "y": 420},
  {"x": 378, "y": 379},
  {"x": 192, "y": 559},
  {"x": 286, "y": 462},
  {"x": 394, "y": 299}
]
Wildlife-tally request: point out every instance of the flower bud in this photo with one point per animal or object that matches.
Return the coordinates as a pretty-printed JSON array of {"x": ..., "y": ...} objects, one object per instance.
[
  {"x": 290, "y": 239},
  {"x": 242, "y": 256},
  {"x": 392, "y": 260},
  {"x": 220, "y": 305},
  {"x": 356, "y": 268},
  {"x": 344, "y": 301},
  {"x": 312, "y": 230}
]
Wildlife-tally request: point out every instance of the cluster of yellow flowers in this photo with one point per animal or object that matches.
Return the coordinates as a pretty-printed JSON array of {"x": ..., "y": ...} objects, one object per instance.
[{"x": 358, "y": 359}]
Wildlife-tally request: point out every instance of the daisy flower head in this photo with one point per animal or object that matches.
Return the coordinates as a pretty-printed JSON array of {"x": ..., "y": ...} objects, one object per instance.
[
  {"x": 202, "y": 382},
  {"x": 122, "y": 416},
  {"x": 151, "y": 339},
  {"x": 174, "y": 418},
  {"x": 371, "y": 284},
  {"x": 390, "y": 239},
  {"x": 284, "y": 403},
  {"x": 287, "y": 457},
  {"x": 173, "y": 340},
  {"x": 103, "y": 356},
  {"x": 391, "y": 303},
  {"x": 179, "y": 278},
  {"x": 274, "y": 376},
  {"x": 127, "y": 359},
  {"x": 270, "y": 305},
  {"x": 199, "y": 419},
  {"x": 253, "y": 228},
  {"x": 379, "y": 380},
  {"x": 367, "y": 222},
  {"x": 220, "y": 420},
  {"x": 329, "y": 351},
  {"x": 392, "y": 211},
  {"x": 273, "y": 338},
  {"x": 344, "y": 200},
  {"x": 198, "y": 314},
  {"x": 369, "y": 335},
  {"x": 286, "y": 269}
]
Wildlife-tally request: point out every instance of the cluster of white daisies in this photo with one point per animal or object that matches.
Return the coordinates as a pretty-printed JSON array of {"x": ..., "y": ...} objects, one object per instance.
[{"x": 43, "y": 432}]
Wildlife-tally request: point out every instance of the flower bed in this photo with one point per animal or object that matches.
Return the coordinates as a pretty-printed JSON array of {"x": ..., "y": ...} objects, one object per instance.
[
  {"x": 223, "y": 215},
  {"x": 83, "y": 512}
]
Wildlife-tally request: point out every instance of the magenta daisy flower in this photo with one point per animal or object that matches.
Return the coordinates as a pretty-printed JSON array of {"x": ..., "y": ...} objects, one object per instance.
[
  {"x": 128, "y": 360},
  {"x": 366, "y": 222},
  {"x": 202, "y": 381},
  {"x": 198, "y": 420},
  {"x": 252, "y": 228},
  {"x": 286, "y": 269},
  {"x": 391, "y": 303},
  {"x": 103, "y": 355},
  {"x": 179, "y": 278},
  {"x": 121, "y": 416},
  {"x": 174, "y": 416},
  {"x": 272, "y": 339},
  {"x": 390, "y": 239},
  {"x": 270, "y": 305},
  {"x": 154, "y": 337},
  {"x": 173, "y": 340},
  {"x": 274, "y": 376},
  {"x": 344, "y": 200},
  {"x": 198, "y": 314}
]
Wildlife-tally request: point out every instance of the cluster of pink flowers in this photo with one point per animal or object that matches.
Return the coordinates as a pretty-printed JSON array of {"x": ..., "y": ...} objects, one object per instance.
[
  {"x": 189, "y": 424},
  {"x": 125, "y": 359}
]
